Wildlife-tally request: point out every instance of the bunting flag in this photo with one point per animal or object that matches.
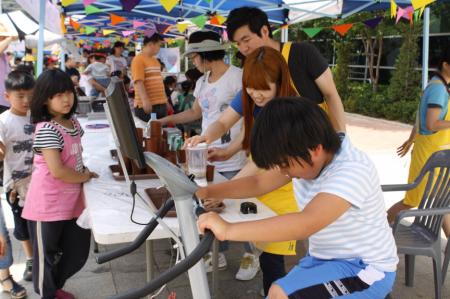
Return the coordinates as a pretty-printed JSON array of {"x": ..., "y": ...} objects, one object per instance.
[
  {"x": 107, "y": 32},
  {"x": 128, "y": 5},
  {"x": 162, "y": 28},
  {"x": 208, "y": 1},
  {"x": 214, "y": 20},
  {"x": 416, "y": 15},
  {"x": 91, "y": 9},
  {"x": 149, "y": 32},
  {"x": 67, "y": 2},
  {"x": 90, "y": 29},
  {"x": 182, "y": 27},
  {"x": 168, "y": 4},
  {"x": 342, "y": 29},
  {"x": 199, "y": 21},
  {"x": 137, "y": 24},
  {"x": 420, "y": 4},
  {"x": 372, "y": 23},
  {"x": 115, "y": 19},
  {"x": 220, "y": 19},
  {"x": 311, "y": 32},
  {"x": 400, "y": 13},
  {"x": 107, "y": 43},
  {"x": 126, "y": 41},
  {"x": 405, "y": 13},
  {"x": 128, "y": 32},
  {"x": 393, "y": 9},
  {"x": 88, "y": 2},
  {"x": 74, "y": 24}
]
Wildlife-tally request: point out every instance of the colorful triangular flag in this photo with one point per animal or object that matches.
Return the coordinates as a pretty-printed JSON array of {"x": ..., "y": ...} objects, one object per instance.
[
  {"x": 107, "y": 32},
  {"x": 91, "y": 9},
  {"x": 311, "y": 32},
  {"x": 416, "y": 15},
  {"x": 63, "y": 25},
  {"x": 420, "y": 4},
  {"x": 90, "y": 29},
  {"x": 67, "y": 2},
  {"x": 149, "y": 32},
  {"x": 220, "y": 19},
  {"x": 214, "y": 20},
  {"x": 372, "y": 23},
  {"x": 162, "y": 28},
  {"x": 74, "y": 24},
  {"x": 208, "y": 1},
  {"x": 128, "y": 5},
  {"x": 342, "y": 29},
  {"x": 393, "y": 9},
  {"x": 107, "y": 43},
  {"x": 182, "y": 27},
  {"x": 88, "y": 2},
  {"x": 115, "y": 19},
  {"x": 137, "y": 24},
  {"x": 168, "y": 4},
  {"x": 200, "y": 21},
  {"x": 128, "y": 32}
]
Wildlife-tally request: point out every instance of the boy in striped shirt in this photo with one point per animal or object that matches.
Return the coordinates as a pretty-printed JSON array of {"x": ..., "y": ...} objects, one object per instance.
[{"x": 351, "y": 246}]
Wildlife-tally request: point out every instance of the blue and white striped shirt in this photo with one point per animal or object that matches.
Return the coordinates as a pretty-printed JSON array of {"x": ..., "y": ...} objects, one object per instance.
[{"x": 362, "y": 231}]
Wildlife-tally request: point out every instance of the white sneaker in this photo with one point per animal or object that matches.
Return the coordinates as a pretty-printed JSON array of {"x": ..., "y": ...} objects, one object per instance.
[
  {"x": 221, "y": 265},
  {"x": 249, "y": 267}
]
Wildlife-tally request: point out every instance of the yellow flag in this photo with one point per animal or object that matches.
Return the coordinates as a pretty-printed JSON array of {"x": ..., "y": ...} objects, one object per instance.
[
  {"x": 182, "y": 27},
  {"x": 421, "y": 3},
  {"x": 67, "y": 2},
  {"x": 221, "y": 19},
  {"x": 107, "y": 32},
  {"x": 393, "y": 9},
  {"x": 63, "y": 25},
  {"x": 168, "y": 4}
]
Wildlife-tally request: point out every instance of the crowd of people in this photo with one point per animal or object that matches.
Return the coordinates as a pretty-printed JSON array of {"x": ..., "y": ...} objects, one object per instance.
[{"x": 276, "y": 130}]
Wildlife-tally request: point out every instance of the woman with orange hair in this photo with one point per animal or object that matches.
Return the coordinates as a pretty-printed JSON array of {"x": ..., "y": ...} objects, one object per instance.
[{"x": 265, "y": 76}]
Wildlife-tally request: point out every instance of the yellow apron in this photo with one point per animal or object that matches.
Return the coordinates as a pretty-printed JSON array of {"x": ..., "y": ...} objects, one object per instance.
[
  {"x": 285, "y": 52},
  {"x": 424, "y": 147}
]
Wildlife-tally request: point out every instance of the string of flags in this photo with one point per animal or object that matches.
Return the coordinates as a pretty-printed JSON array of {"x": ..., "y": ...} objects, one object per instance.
[
  {"x": 127, "y": 5},
  {"x": 411, "y": 13}
]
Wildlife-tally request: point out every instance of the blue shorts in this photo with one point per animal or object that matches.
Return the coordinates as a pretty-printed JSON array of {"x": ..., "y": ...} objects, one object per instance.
[{"x": 323, "y": 279}]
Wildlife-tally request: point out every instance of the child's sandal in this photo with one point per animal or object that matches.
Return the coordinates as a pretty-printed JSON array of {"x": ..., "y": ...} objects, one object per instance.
[{"x": 17, "y": 291}]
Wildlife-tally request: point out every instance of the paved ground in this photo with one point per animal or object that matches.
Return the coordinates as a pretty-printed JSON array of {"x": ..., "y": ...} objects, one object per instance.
[{"x": 377, "y": 137}]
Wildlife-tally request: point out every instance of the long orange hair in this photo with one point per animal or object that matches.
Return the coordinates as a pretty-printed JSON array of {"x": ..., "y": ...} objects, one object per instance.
[{"x": 262, "y": 66}]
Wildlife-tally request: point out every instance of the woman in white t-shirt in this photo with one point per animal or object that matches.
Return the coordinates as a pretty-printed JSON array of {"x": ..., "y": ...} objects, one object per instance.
[{"x": 116, "y": 61}]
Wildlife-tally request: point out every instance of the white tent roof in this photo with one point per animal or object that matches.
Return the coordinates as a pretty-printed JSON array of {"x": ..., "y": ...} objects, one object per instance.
[{"x": 300, "y": 11}]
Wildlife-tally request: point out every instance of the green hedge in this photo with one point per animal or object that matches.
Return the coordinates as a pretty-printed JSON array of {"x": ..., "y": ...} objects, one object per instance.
[{"x": 362, "y": 100}]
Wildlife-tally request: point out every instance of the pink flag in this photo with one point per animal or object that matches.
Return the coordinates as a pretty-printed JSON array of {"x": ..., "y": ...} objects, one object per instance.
[
  {"x": 128, "y": 32},
  {"x": 88, "y": 2},
  {"x": 137, "y": 24}
]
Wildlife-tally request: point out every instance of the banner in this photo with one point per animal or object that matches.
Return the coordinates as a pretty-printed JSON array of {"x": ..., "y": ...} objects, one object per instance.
[{"x": 52, "y": 18}]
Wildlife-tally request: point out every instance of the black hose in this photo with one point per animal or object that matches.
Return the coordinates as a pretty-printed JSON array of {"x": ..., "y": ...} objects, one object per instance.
[
  {"x": 140, "y": 239},
  {"x": 172, "y": 273}
]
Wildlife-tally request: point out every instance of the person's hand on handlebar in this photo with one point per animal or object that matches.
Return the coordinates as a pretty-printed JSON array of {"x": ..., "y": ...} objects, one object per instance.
[
  {"x": 194, "y": 140},
  {"x": 215, "y": 223}
]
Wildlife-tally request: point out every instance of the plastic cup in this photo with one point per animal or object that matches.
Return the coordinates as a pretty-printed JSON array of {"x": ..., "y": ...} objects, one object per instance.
[
  {"x": 197, "y": 160},
  {"x": 209, "y": 173}
]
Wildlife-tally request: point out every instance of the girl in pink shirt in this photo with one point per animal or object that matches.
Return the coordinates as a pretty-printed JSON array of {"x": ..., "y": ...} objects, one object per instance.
[{"x": 54, "y": 198}]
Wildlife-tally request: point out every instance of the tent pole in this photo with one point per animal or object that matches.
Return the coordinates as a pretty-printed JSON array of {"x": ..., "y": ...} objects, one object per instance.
[
  {"x": 425, "y": 46},
  {"x": 40, "y": 49},
  {"x": 62, "y": 56}
]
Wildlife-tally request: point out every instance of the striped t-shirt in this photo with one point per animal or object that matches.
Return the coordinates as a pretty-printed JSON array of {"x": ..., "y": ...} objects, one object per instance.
[
  {"x": 148, "y": 70},
  {"x": 362, "y": 231}
]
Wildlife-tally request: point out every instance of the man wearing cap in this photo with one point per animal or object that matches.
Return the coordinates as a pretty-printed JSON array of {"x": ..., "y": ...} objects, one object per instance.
[
  {"x": 116, "y": 61},
  {"x": 148, "y": 82}
]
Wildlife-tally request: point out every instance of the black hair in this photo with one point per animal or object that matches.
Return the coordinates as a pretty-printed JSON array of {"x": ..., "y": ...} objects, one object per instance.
[
  {"x": 49, "y": 84},
  {"x": 117, "y": 44},
  {"x": 26, "y": 67},
  {"x": 444, "y": 57},
  {"x": 19, "y": 80},
  {"x": 288, "y": 128},
  {"x": 156, "y": 37},
  {"x": 169, "y": 80},
  {"x": 199, "y": 36},
  {"x": 186, "y": 86},
  {"x": 251, "y": 16},
  {"x": 67, "y": 57},
  {"x": 193, "y": 74}
]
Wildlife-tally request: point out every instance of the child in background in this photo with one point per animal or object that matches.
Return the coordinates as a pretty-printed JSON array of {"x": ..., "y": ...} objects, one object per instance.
[
  {"x": 9, "y": 285},
  {"x": 16, "y": 140},
  {"x": 100, "y": 72},
  {"x": 54, "y": 199}
]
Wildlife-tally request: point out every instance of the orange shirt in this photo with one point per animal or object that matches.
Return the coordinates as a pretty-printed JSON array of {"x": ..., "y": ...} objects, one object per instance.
[{"x": 148, "y": 70}]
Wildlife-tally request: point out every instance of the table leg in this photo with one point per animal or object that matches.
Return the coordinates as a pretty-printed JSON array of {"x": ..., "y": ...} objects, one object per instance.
[
  {"x": 215, "y": 262},
  {"x": 149, "y": 259}
]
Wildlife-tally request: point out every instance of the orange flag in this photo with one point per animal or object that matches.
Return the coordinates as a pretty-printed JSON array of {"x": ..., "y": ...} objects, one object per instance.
[
  {"x": 342, "y": 29},
  {"x": 115, "y": 19},
  {"x": 74, "y": 24},
  {"x": 214, "y": 20}
]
